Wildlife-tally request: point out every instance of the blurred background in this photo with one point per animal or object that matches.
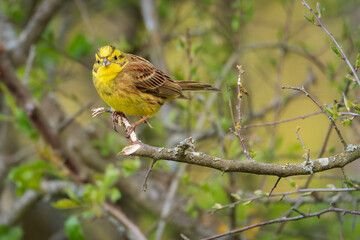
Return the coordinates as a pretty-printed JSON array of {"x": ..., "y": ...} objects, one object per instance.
[{"x": 201, "y": 40}]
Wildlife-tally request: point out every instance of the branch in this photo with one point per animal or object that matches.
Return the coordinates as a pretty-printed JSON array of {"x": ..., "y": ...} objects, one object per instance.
[
  {"x": 34, "y": 29},
  {"x": 238, "y": 124},
  {"x": 283, "y": 219},
  {"x": 350, "y": 154},
  {"x": 307, "y": 191},
  {"x": 32, "y": 109},
  {"x": 122, "y": 218},
  {"x": 25, "y": 203},
  {"x": 179, "y": 154},
  {"x": 334, "y": 40},
  {"x": 302, "y": 89}
]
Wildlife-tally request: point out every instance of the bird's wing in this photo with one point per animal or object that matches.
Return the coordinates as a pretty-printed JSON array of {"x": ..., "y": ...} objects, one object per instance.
[{"x": 151, "y": 80}]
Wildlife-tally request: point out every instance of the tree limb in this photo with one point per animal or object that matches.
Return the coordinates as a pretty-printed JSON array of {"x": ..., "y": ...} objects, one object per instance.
[
  {"x": 33, "y": 30},
  {"x": 350, "y": 154}
]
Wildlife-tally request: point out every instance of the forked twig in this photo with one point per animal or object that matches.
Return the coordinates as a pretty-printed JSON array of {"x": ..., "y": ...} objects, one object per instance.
[
  {"x": 320, "y": 24},
  {"x": 302, "y": 89}
]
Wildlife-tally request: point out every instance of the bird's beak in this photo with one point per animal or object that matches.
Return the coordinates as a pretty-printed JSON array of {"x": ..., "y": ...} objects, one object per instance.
[{"x": 106, "y": 62}]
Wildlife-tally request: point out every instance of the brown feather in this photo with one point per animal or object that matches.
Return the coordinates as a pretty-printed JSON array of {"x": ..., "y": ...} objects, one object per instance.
[{"x": 148, "y": 79}]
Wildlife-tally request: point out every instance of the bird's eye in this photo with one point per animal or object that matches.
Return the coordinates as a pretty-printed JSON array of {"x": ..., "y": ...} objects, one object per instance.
[
  {"x": 98, "y": 61},
  {"x": 115, "y": 57}
]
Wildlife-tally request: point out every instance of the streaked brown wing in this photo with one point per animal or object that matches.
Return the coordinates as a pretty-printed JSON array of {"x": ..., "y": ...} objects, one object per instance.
[{"x": 151, "y": 80}]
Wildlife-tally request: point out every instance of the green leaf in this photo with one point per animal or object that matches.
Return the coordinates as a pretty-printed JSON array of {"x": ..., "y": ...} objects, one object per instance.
[
  {"x": 349, "y": 183},
  {"x": 111, "y": 175},
  {"x": 335, "y": 112},
  {"x": 261, "y": 193},
  {"x": 79, "y": 46},
  {"x": 65, "y": 204},
  {"x": 328, "y": 110},
  {"x": 217, "y": 206},
  {"x": 235, "y": 22},
  {"x": 310, "y": 20},
  {"x": 292, "y": 182},
  {"x": 306, "y": 194},
  {"x": 73, "y": 229},
  {"x": 346, "y": 122},
  {"x": 190, "y": 208},
  {"x": 236, "y": 196},
  {"x": 114, "y": 194},
  {"x": 181, "y": 45},
  {"x": 357, "y": 62},
  {"x": 348, "y": 103},
  {"x": 71, "y": 194},
  {"x": 335, "y": 50},
  {"x": 247, "y": 203},
  {"x": 29, "y": 175},
  {"x": 130, "y": 166},
  {"x": 7, "y": 233}
]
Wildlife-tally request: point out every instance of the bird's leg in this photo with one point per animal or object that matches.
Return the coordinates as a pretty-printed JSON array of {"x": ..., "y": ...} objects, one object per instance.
[
  {"x": 147, "y": 123},
  {"x": 132, "y": 127}
]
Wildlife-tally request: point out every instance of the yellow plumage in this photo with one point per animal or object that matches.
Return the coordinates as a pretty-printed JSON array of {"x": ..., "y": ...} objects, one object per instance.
[{"x": 132, "y": 85}]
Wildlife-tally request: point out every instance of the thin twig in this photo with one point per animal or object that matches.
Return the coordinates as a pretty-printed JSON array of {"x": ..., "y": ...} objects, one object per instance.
[
  {"x": 302, "y": 89},
  {"x": 282, "y": 194},
  {"x": 273, "y": 188},
  {"x": 144, "y": 187},
  {"x": 238, "y": 124},
  {"x": 121, "y": 217},
  {"x": 282, "y": 121},
  {"x": 283, "y": 219},
  {"x": 320, "y": 24},
  {"x": 71, "y": 118},
  {"x": 29, "y": 64},
  {"x": 169, "y": 201},
  {"x": 307, "y": 150}
]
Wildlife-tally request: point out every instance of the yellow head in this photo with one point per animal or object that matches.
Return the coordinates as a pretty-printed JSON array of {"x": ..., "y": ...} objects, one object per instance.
[{"x": 109, "y": 62}]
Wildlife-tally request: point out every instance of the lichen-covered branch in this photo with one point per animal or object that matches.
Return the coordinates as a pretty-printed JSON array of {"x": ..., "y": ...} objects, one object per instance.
[
  {"x": 350, "y": 154},
  {"x": 181, "y": 154}
]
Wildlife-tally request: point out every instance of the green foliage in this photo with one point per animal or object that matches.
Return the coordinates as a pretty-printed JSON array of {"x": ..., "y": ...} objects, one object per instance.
[
  {"x": 310, "y": 19},
  {"x": 80, "y": 46},
  {"x": 94, "y": 194},
  {"x": 19, "y": 117},
  {"x": 260, "y": 193},
  {"x": 7, "y": 233},
  {"x": 292, "y": 182},
  {"x": 108, "y": 145},
  {"x": 13, "y": 10},
  {"x": 130, "y": 166},
  {"x": 357, "y": 61},
  {"x": 29, "y": 175},
  {"x": 191, "y": 210},
  {"x": 243, "y": 13},
  {"x": 336, "y": 51},
  {"x": 73, "y": 229}
]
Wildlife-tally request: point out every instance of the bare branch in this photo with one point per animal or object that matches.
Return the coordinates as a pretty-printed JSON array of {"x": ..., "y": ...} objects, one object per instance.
[
  {"x": 318, "y": 19},
  {"x": 32, "y": 110},
  {"x": 283, "y": 219},
  {"x": 238, "y": 124},
  {"x": 122, "y": 218},
  {"x": 302, "y": 89},
  {"x": 282, "y": 121},
  {"x": 350, "y": 154}
]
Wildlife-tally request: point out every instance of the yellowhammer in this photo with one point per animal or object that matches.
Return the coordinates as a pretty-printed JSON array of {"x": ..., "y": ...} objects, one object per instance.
[{"x": 132, "y": 85}]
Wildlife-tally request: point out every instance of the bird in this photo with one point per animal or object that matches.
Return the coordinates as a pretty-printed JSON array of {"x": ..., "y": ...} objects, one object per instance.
[{"x": 131, "y": 85}]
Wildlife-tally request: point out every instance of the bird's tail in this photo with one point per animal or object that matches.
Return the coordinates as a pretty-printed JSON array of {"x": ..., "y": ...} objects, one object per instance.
[{"x": 194, "y": 86}]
